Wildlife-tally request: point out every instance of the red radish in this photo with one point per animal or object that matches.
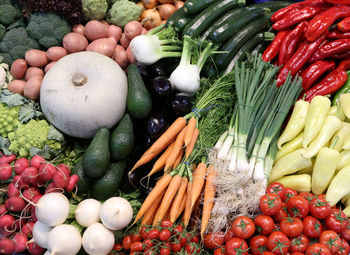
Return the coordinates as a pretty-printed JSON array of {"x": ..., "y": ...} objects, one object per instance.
[
  {"x": 20, "y": 241},
  {"x": 19, "y": 182},
  {"x": 7, "y": 159},
  {"x": 30, "y": 174},
  {"x": 51, "y": 188},
  {"x": 12, "y": 190},
  {"x": 15, "y": 204},
  {"x": 7, "y": 246},
  {"x": 61, "y": 179},
  {"x": 5, "y": 171},
  {"x": 39, "y": 182},
  {"x": 6, "y": 222},
  {"x": 46, "y": 171},
  {"x": 32, "y": 207},
  {"x": 64, "y": 167},
  {"x": 31, "y": 193},
  {"x": 20, "y": 165},
  {"x": 18, "y": 224},
  {"x": 73, "y": 179},
  {"x": 36, "y": 161},
  {"x": 27, "y": 228},
  {"x": 35, "y": 249},
  {"x": 3, "y": 209}
]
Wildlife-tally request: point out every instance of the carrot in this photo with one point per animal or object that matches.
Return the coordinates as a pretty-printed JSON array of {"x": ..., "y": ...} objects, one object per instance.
[
  {"x": 176, "y": 150},
  {"x": 188, "y": 211},
  {"x": 160, "y": 163},
  {"x": 147, "y": 219},
  {"x": 190, "y": 146},
  {"x": 161, "y": 185},
  {"x": 178, "y": 199},
  {"x": 178, "y": 159},
  {"x": 182, "y": 207},
  {"x": 168, "y": 198},
  {"x": 209, "y": 194},
  {"x": 198, "y": 182},
  {"x": 145, "y": 158},
  {"x": 191, "y": 126}
]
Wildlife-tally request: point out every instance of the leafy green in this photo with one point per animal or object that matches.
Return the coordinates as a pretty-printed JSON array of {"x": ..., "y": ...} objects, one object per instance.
[
  {"x": 11, "y": 99},
  {"x": 4, "y": 145}
]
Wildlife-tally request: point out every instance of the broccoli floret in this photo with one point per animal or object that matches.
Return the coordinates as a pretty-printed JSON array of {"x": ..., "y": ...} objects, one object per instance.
[
  {"x": 123, "y": 11},
  {"x": 8, "y": 119},
  {"x": 8, "y": 13},
  {"x": 2, "y": 31},
  {"x": 43, "y": 26}
]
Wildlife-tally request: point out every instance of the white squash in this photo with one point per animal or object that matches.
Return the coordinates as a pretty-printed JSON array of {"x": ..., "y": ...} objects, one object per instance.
[{"x": 82, "y": 92}]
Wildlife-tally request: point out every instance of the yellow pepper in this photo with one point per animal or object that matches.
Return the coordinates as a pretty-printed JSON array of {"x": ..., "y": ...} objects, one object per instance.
[
  {"x": 331, "y": 125},
  {"x": 346, "y": 200},
  {"x": 339, "y": 137},
  {"x": 339, "y": 186},
  {"x": 345, "y": 104},
  {"x": 344, "y": 159},
  {"x": 315, "y": 118},
  {"x": 324, "y": 169},
  {"x": 299, "y": 182},
  {"x": 347, "y": 211},
  {"x": 346, "y": 145},
  {"x": 291, "y": 146},
  {"x": 336, "y": 111},
  {"x": 289, "y": 164},
  {"x": 309, "y": 169},
  {"x": 295, "y": 124}
]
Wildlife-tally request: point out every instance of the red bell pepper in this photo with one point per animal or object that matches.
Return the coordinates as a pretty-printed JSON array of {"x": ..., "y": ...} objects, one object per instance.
[
  {"x": 320, "y": 24},
  {"x": 315, "y": 71},
  {"x": 339, "y": 46},
  {"x": 344, "y": 25},
  {"x": 336, "y": 34},
  {"x": 338, "y": 1},
  {"x": 274, "y": 47}
]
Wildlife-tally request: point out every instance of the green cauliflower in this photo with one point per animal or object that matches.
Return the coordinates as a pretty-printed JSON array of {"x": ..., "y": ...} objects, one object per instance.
[
  {"x": 94, "y": 9},
  {"x": 8, "y": 119},
  {"x": 48, "y": 28},
  {"x": 8, "y": 12},
  {"x": 122, "y": 12}
]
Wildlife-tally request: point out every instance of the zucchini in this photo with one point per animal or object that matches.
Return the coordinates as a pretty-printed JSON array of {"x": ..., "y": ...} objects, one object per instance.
[
  {"x": 235, "y": 43},
  {"x": 234, "y": 24},
  {"x": 272, "y": 5},
  {"x": 205, "y": 19},
  {"x": 174, "y": 17},
  {"x": 195, "y": 6},
  {"x": 260, "y": 48},
  {"x": 181, "y": 23}
]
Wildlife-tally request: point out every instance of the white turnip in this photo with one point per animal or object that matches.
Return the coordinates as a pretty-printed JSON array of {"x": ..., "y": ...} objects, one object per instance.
[
  {"x": 116, "y": 213},
  {"x": 20, "y": 165},
  {"x": 88, "y": 212},
  {"x": 98, "y": 240},
  {"x": 40, "y": 234},
  {"x": 20, "y": 241},
  {"x": 64, "y": 240}
]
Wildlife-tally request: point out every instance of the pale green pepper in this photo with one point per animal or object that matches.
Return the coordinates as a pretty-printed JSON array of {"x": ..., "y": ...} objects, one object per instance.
[
  {"x": 340, "y": 136},
  {"x": 344, "y": 159},
  {"x": 346, "y": 145},
  {"x": 291, "y": 146},
  {"x": 309, "y": 169},
  {"x": 347, "y": 211},
  {"x": 344, "y": 100},
  {"x": 316, "y": 115},
  {"x": 346, "y": 200},
  {"x": 299, "y": 182},
  {"x": 339, "y": 186},
  {"x": 336, "y": 111}
]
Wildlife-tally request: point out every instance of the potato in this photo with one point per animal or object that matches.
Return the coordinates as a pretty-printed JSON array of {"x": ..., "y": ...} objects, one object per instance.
[
  {"x": 17, "y": 86},
  {"x": 95, "y": 30},
  {"x": 144, "y": 31},
  {"x": 132, "y": 29},
  {"x": 120, "y": 56},
  {"x": 104, "y": 46},
  {"x": 36, "y": 58},
  {"x": 49, "y": 65},
  {"x": 55, "y": 53},
  {"x": 74, "y": 42},
  {"x": 124, "y": 41},
  {"x": 79, "y": 28},
  {"x": 115, "y": 32},
  {"x": 34, "y": 71},
  {"x": 18, "y": 68},
  {"x": 32, "y": 89},
  {"x": 131, "y": 57}
]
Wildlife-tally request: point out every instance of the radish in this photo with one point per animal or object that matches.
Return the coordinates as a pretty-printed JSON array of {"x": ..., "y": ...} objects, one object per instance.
[
  {"x": 20, "y": 165},
  {"x": 15, "y": 204},
  {"x": 98, "y": 240},
  {"x": 30, "y": 174},
  {"x": 116, "y": 213},
  {"x": 30, "y": 193},
  {"x": 52, "y": 209},
  {"x": 73, "y": 180},
  {"x": 63, "y": 240},
  {"x": 19, "y": 182},
  {"x": 7, "y": 246},
  {"x": 6, "y": 222},
  {"x": 7, "y": 159},
  {"x": 52, "y": 188},
  {"x": 12, "y": 190},
  {"x": 36, "y": 161},
  {"x": 27, "y": 228},
  {"x": 20, "y": 241},
  {"x": 3, "y": 209},
  {"x": 64, "y": 167},
  {"x": 88, "y": 212},
  {"x": 5, "y": 171},
  {"x": 61, "y": 179},
  {"x": 35, "y": 249},
  {"x": 47, "y": 171},
  {"x": 41, "y": 233}
]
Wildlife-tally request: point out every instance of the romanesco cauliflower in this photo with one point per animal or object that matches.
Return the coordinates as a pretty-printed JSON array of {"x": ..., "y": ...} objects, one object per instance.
[{"x": 8, "y": 119}]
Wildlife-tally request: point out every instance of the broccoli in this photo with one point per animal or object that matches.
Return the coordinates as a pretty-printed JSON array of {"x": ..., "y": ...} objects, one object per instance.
[
  {"x": 15, "y": 44},
  {"x": 122, "y": 12},
  {"x": 48, "y": 28},
  {"x": 8, "y": 12},
  {"x": 2, "y": 31},
  {"x": 8, "y": 119}
]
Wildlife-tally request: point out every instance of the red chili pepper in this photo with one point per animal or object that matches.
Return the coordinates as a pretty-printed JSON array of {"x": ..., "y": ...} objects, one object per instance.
[
  {"x": 290, "y": 43},
  {"x": 299, "y": 58},
  {"x": 338, "y": 1},
  {"x": 339, "y": 46},
  {"x": 315, "y": 71},
  {"x": 304, "y": 14},
  {"x": 336, "y": 34},
  {"x": 342, "y": 56},
  {"x": 274, "y": 47},
  {"x": 320, "y": 24},
  {"x": 344, "y": 65},
  {"x": 344, "y": 25}
]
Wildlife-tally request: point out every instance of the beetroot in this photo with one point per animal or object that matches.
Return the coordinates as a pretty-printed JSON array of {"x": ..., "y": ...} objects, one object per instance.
[
  {"x": 35, "y": 249},
  {"x": 7, "y": 246},
  {"x": 36, "y": 161},
  {"x": 73, "y": 179},
  {"x": 30, "y": 174},
  {"x": 5, "y": 171},
  {"x": 7, "y": 159},
  {"x": 46, "y": 171},
  {"x": 20, "y": 165},
  {"x": 12, "y": 190},
  {"x": 27, "y": 228},
  {"x": 15, "y": 204},
  {"x": 20, "y": 241}
]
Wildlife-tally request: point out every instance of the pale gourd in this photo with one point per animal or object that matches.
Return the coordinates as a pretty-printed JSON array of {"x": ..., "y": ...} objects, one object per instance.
[{"x": 82, "y": 92}]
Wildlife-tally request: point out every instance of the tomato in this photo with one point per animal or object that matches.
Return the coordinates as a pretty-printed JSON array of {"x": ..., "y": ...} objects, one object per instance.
[
  {"x": 147, "y": 243},
  {"x": 307, "y": 195},
  {"x": 267, "y": 253},
  {"x": 127, "y": 241},
  {"x": 236, "y": 246},
  {"x": 264, "y": 224},
  {"x": 117, "y": 247},
  {"x": 136, "y": 246},
  {"x": 332, "y": 240},
  {"x": 283, "y": 213},
  {"x": 183, "y": 240},
  {"x": 337, "y": 221},
  {"x": 166, "y": 224},
  {"x": 243, "y": 227},
  {"x": 276, "y": 188},
  {"x": 346, "y": 233},
  {"x": 229, "y": 234},
  {"x": 292, "y": 227},
  {"x": 312, "y": 227},
  {"x": 178, "y": 229},
  {"x": 144, "y": 233},
  {"x": 297, "y": 253},
  {"x": 258, "y": 244},
  {"x": 278, "y": 243},
  {"x": 153, "y": 234},
  {"x": 289, "y": 192},
  {"x": 320, "y": 208},
  {"x": 318, "y": 248},
  {"x": 299, "y": 244},
  {"x": 192, "y": 248},
  {"x": 136, "y": 238},
  {"x": 194, "y": 239},
  {"x": 213, "y": 240},
  {"x": 164, "y": 235},
  {"x": 270, "y": 204},
  {"x": 164, "y": 251},
  {"x": 298, "y": 206},
  {"x": 176, "y": 246},
  {"x": 219, "y": 251},
  {"x": 345, "y": 248}
]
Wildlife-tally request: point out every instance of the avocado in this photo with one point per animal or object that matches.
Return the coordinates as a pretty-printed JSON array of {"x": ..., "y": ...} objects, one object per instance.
[{"x": 84, "y": 182}]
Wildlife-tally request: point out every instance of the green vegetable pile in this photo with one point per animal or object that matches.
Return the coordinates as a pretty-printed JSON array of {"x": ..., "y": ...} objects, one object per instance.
[
  {"x": 94, "y": 9},
  {"x": 122, "y": 12}
]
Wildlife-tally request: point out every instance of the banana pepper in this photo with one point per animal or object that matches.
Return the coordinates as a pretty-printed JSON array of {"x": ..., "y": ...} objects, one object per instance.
[
  {"x": 339, "y": 186},
  {"x": 299, "y": 182},
  {"x": 340, "y": 136},
  {"x": 346, "y": 145},
  {"x": 336, "y": 111},
  {"x": 291, "y": 146},
  {"x": 344, "y": 159},
  {"x": 344, "y": 100}
]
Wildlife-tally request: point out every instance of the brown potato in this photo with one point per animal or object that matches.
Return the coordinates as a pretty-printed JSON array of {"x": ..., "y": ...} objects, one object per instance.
[
  {"x": 49, "y": 65},
  {"x": 115, "y": 32},
  {"x": 74, "y": 42},
  {"x": 104, "y": 46},
  {"x": 79, "y": 28},
  {"x": 124, "y": 41},
  {"x": 32, "y": 89},
  {"x": 36, "y": 58},
  {"x": 55, "y": 53},
  {"x": 132, "y": 29},
  {"x": 34, "y": 71},
  {"x": 18, "y": 68},
  {"x": 120, "y": 56},
  {"x": 17, "y": 86},
  {"x": 95, "y": 29}
]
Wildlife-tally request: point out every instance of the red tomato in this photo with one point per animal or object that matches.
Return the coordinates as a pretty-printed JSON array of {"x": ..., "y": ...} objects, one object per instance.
[
  {"x": 332, "y": 240},
  {"x": 178, "y": 229},
  {"x": 214, "y": 240},
  {"x": 312, "y": 227},
  {"x": 278, "y": 243},
  {"x": 283, "y": 213},
  {"x": 345, "y": 248},
  {"x": 307, "y": 195},
  {"x": 289, "y": 192},
  {"x": 176, "y": 246},
  {"x": 318, "y": 248},
  {"x": 276, "y": 188},
  {"x": 292, "y": 227},
  {"x": 297, "y": 253},
  {"x": 164, "y": 251},
  {"x": 127, "y": 241},
  {"x": 298, "y": 206},
  {"x": 219, "y": 251},
  {"x": 229, "y": 235},
  {"x": 136, "y": 238},
  {"x": 243, "y": 227},
  {"x": 194, "y": 239},
  {"x": 258, "y": 244},
  {"x": 183, "y": 240},
  {"x": 270, "y": 204},
  {"x": 299, "y": 244},
  {"x": 166, "y": 224},
  {"x": 136, "y": 246},
  {"x": 147, "y": 243},
  {"x": 144, "y": 233},
  {"x": 153, "y": 234},
  {"x": 346, "y": 234},
  {"x": 236, "y": 246},
  {"x": 164, "y": 235},
  {"x": 192, "y": 248},
  {"x": 264, "y": 224},
  {"x": 337, "y": 221},
  {"x": 267, "y": 253},
  {"x": 320, "y": 208},
  {"x": 117, "y": 247}
]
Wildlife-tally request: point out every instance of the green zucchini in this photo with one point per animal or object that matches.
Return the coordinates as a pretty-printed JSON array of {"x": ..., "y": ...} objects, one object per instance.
[
  {"x": 181, "y": 23},
  {"x": 175, "y": 16},
  {"x": 272, "y": 5},
  {"x": 233, "y": 25},
  {"x": 235, "y": 43},
  {"x": 260, "y": 48},
  {"x": 205, "y": 19},
  {"x": 195, "y": 6}
]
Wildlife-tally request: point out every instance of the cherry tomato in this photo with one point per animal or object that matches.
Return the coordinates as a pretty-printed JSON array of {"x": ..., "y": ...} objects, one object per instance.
[
  {"x": 289, "y": 192},
  {"x": 243, "y": 227},
  {"x": 298, "y": 206},
  {"x": 176, "y": 247},
  {"x": 164, "y": 235},
  {"x": 183, "y": 240},
  {"x": 264, "y": 224},
  {"x": 166, "y": 224},
  {"x": 332, "y": 240},
  {"x": 258, "y": 244},
  {"x": 297, "y": 253},
  {"x": 283, "y": 213},
  {"x": 346, "y": 233},
  {"x": 320, "y": 208},
  {"x": 127, "y": 241},
  {"x": 318, "y": 248},
  {"x": 136, "y": 238},
  {"x": 117, "y": 247},
  {"x": 147, "y": 243},
  {"x": 337, "y": 221},
  {"x": 276, "y": 188},
  {"x": 299, "y": 244},
  {"x": 278, "y": 243},
  {"x": 192, "y": 248},
  {"x": 136, "y": 246},
  {"x": 153, "y": 234},
  {"x": 236, "y": 246},
  {"x": 229, "y": 234},
  {"x": 267, "y": 253},
  {"x": 194, "y": 239},
  {"x": 292, "y": 227},
  {"x": 270, "y": 204},
  {"x": 312, "y": 227},
  {"x": 214, "y": 240},
  {"x": 307, "y": 195},
  {"x": 178, "y": 229},
  {"x": 144, "y": 233},
  {"x": 164, "y": 251},
  {"x": 219, "y": 251}
]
